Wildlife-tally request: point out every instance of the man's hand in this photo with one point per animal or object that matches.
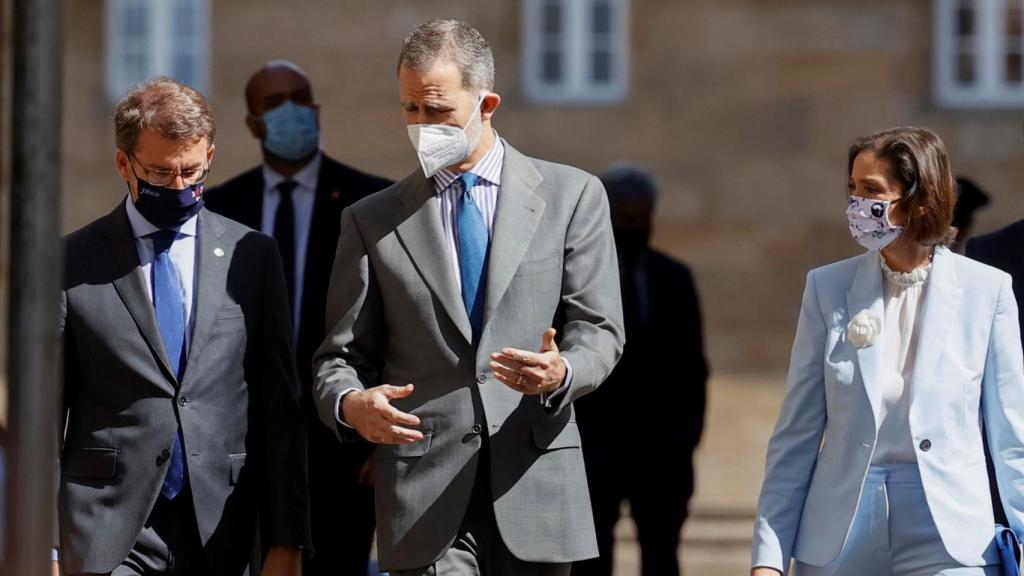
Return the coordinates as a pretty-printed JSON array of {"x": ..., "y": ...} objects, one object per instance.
[
  {"x": 370, "y": 412},
  {"x": 283, "y": 561},
  {"x": 55, "y": 569},
  {"x": 531, "y": 372},
  {"x": 763, "y": 571}
]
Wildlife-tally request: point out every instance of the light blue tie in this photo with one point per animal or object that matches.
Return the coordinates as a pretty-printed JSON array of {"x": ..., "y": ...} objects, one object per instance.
[
  {"x": 473, "y": 240},
  {"x": 170, "y": 317}
]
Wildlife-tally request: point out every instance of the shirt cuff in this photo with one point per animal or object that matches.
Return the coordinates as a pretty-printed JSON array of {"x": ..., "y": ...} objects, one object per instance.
[
  {"x": 549, "y": 399},
  {"x": 337, "y": 407},
  {"x": 54, "y": 555}
]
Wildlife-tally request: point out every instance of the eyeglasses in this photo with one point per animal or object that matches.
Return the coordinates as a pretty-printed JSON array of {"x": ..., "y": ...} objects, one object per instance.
[{"x": 189, "y": 177}]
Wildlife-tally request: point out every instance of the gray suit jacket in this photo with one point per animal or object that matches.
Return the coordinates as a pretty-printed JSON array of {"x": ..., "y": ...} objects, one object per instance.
[
  {"x": 395, "y": 316},
  {"x": 237, "y": 402}
]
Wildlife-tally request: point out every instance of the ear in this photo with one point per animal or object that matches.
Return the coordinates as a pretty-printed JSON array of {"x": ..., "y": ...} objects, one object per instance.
[
  {"x": 491, "y": 103},
  {"x": 210, "y": 153},
  {"x": 123, "y": 165},
  {"x": 256, "y": 127},
  {"x": 124, "y": 169}
]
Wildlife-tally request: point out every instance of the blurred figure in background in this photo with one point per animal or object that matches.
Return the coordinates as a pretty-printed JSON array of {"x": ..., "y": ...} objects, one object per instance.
[
  {"x": 618, "y": 421},
  {"x": 297, "y": 196},
  {"x": 969, "y": 199},
  {"x": 1003, "y": 249}
]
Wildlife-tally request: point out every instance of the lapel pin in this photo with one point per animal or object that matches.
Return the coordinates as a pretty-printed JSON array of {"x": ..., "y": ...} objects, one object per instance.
[{"x": 218, "y": 252}]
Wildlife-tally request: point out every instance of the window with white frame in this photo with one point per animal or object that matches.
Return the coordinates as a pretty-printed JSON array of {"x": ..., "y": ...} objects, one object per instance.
[
  {"x": 150, "y": 38},
  {"x": 575, "y": 51},
  {"x": 979, "y": 53}
]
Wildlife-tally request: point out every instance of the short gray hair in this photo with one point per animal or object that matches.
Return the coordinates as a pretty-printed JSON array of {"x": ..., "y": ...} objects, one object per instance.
[{"x": 450, "y": 41}]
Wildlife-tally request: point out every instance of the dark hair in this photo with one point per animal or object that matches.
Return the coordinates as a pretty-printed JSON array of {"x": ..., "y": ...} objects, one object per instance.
[{"x": 917, "y": 159}]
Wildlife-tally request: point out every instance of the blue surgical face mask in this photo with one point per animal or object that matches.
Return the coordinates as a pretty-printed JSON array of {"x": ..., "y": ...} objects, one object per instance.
[
  {"x": 292, "y": 131},
  {"x": 168, "y": 207}
]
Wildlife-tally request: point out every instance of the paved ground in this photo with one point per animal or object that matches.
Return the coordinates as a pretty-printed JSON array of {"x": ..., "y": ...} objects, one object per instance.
[{"x": 730, "y": 465}]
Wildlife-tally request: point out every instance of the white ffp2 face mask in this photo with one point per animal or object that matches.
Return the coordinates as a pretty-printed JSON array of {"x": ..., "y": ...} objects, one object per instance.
[
  {"x": 440, "y": 145},
  {"x": 869, "y": 222}
]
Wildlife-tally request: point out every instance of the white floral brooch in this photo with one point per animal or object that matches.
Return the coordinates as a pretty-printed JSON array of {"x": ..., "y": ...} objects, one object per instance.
[{"x": 864, "y": 329}]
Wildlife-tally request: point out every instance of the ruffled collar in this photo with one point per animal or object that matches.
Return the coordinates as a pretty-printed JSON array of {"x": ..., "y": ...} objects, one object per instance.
[{"x": 915, "y": 277}]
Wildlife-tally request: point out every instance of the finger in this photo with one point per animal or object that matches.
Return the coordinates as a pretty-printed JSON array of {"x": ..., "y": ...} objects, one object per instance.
[
  {"x": 527, "y": 383},
  {"x": 505, "y": 372},
  {"x": 397, "y": 435},
  {"x": 404, "y": 434},
  {"x": 393, "y": 415},
  {"x": 521, "y": 356},
  {"x": 507, "y": 362},
  {"x": 391, "y": 392},
  {"x": 548, "y": 341}
]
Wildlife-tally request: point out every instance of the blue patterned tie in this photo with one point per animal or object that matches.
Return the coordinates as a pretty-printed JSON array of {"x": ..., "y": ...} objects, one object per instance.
[
  {"x": 170, "y": 317},
  {"x": 473, "y": 239}
]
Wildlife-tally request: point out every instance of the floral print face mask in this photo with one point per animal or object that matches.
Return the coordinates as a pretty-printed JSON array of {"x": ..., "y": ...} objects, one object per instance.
[{"x": 870, "y": 224}]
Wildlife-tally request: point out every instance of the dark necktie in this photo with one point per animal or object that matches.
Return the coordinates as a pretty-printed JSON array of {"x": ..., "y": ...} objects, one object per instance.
[
  {"x": 284, "y": 233},
  {"x": 170, "y": 317}
]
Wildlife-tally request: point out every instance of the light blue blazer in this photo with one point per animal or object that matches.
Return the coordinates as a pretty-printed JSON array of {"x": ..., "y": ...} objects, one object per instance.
[{"x": 968, "y": 372}]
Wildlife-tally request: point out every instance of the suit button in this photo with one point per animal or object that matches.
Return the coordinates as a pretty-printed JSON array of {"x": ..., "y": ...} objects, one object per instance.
[
  {"x": 182, "y": 400},
  {"x": 477, "y": 428},
  {"x": 481, "y": 378},
  {"x": 165, "y": 454},
  {"x": 925, "y": 445}
]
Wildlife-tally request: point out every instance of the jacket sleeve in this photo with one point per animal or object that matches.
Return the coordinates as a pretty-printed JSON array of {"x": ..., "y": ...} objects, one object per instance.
[
  {"x": 592, "y": 336},
  {"x": 793, "y": 448},
  {"x": 1003, "y": 405},
  {"x": 352, "y": 354}
]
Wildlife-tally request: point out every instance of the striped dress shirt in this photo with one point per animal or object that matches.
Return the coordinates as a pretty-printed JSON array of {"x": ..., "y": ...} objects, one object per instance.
[{"x": 484, "y": 193}]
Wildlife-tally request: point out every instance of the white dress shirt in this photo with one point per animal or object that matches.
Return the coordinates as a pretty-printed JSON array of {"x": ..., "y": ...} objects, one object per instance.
[
  {"x": 182, "y": 253},
  {"x": 903, "y": 293},
  {"x": 303, "y": 197}
]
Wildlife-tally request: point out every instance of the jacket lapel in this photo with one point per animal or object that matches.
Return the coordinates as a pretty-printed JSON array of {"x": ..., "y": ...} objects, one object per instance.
[
  {"x": 517, "y": 214},
  {"x": 866, "y": 296},
  {"x": 212, "y": 260},
  {"x": 122, "y": 259},
  {"x": 939, "y": 314},
  {"x": 421, "y": 234}
]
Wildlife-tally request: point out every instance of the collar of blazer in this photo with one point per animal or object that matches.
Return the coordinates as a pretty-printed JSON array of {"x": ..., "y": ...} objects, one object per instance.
[
  {"x": 123, "y": 266},
  {"x": 939, "y": 312},
  {"x": 516, "y": 217}
]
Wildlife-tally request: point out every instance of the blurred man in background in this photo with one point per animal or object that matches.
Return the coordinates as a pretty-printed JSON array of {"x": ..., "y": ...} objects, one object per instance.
[
  {"x": 664, "y": 361},
  {"x": 297, "y": 196}
]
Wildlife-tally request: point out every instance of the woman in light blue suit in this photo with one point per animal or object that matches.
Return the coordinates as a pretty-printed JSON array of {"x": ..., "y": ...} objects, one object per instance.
[{"x": 903, "y": 356}]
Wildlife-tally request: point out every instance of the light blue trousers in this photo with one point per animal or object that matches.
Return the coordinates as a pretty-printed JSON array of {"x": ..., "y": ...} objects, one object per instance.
[{"x": 893, "y": 533}]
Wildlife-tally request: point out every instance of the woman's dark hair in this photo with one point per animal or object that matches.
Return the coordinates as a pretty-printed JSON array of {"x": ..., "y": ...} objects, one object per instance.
[{"x": 917, "y": 160}]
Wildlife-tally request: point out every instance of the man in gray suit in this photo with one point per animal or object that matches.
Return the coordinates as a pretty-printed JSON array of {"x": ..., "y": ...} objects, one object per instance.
[
  {"x": 443, "y": 286},
  {"x": 183, "y": 425}
]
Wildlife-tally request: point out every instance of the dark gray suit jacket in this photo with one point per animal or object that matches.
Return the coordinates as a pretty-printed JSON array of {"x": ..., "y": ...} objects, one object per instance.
[
  {"x": 395, "y": 316},
  {"x": 237, "y": 402}
]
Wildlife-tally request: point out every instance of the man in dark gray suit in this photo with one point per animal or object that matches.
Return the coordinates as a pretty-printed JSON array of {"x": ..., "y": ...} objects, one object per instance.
[
  {"x": 183, "y": 425},
  {"x": 443, "y": 286}
]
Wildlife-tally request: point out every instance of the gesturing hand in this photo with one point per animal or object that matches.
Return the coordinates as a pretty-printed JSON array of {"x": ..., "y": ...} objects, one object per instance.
[
  {"x": 531, "y": 372},
  {"x": 370, "y": 412}
]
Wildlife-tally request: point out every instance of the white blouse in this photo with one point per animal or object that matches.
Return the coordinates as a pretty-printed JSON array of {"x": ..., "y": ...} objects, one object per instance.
[{"x": 903, "y": 293}]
